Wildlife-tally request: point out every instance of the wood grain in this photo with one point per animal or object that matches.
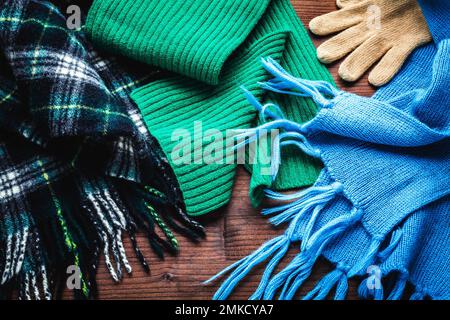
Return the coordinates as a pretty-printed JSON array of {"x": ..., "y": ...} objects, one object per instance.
[{"x": 233, "y": 232}]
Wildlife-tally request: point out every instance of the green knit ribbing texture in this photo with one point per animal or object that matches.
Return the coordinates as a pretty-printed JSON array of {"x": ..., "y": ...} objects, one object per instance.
[
  {"x": 300, "y": 60},
  {"x": 176, "y": 103},
  {"x": 213, "y": 50},
  {"x": 189, "y": 37}
]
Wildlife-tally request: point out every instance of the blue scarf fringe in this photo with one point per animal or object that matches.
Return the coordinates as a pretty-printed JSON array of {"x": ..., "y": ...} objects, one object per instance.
[{"x": 303, "y": 210}]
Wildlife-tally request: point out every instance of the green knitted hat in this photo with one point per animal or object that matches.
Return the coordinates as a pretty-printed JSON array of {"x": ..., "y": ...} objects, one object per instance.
[{"x": 213, "y": 47}]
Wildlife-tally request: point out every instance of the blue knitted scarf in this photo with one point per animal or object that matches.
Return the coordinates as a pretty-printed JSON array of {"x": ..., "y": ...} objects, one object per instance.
[{"x": 381, "y": 207}]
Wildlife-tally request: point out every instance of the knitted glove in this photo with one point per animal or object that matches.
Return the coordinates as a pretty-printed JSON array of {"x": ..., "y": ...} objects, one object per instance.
[
  {"x": 346, "y": 3},
  {"x": 400, "y": 29}
]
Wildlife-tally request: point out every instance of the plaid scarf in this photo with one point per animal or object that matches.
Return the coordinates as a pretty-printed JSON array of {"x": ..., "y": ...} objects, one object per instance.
[{"x": 77, "y": 166}]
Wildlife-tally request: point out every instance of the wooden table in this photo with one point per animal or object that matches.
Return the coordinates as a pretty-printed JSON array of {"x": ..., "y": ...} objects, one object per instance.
[{"x": 233, "y": 232}]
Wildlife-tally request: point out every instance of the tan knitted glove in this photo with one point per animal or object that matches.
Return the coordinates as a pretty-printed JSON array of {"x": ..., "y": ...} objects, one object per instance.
[
  {"x": 345, "y": 3},
  {"x": 371, "y": 30}
]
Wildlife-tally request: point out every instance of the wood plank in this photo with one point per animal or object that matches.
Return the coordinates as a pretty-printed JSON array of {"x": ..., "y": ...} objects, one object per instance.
[{"x": 233, "y": 232}]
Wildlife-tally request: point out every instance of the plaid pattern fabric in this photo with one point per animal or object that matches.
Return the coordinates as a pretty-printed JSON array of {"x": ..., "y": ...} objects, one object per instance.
[{"x": 78, "y": 168}]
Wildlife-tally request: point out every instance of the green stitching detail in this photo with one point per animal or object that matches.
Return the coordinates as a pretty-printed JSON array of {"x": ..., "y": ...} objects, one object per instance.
[
  {"x": 74, "y": 106},
  {"x": 170, "y": 236},
  {"x": 8, "y": 96},
  {"x": 71, "y": 245}
]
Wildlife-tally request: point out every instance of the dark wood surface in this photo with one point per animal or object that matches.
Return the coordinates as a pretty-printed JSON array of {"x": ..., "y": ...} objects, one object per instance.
[{"x": 232, "y": 233}]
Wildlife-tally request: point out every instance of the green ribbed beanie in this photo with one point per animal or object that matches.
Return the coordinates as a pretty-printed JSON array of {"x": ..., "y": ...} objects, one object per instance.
[{"x": 212, "y": 48}]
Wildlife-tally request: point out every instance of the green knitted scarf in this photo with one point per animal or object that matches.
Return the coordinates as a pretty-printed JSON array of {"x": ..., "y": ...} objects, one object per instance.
[{"x": 211, "y": 48}]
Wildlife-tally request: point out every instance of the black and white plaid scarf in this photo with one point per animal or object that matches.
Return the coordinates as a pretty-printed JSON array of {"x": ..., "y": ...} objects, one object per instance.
[{"x": 77, "y": 166}]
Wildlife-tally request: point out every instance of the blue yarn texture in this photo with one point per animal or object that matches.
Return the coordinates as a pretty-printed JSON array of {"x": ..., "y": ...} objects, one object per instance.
[{"x": 381, "y": 206}]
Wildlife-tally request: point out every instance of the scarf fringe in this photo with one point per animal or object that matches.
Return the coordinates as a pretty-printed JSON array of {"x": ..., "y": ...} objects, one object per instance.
[
  {"x": 397, "y": 292},
  {"x": 310, "y": 203},
  {"x": 399, "y": 287},
  {"x": 33, "y": 279},
  {"x": 109, "y": 220},
  {"x": 373, "y": 256},
  {"x": 291, "y": 278},
  {"x": 321, "y": 92},
  {"x": 77, "y": 235},
  {"x": 303, "y": 210},
  {"x": 286, "y": 283},
  {"x": 418, "y": 295},
  {"x": 17, "y": 232},
  {"x": 113, "y": 217},
  {"x": 292, "y": 134},
  {"x": 336, "y": 278},
  {"x": 307, "y": 201}
]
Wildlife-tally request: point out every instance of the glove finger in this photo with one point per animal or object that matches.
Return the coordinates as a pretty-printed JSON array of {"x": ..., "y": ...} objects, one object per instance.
[
  {"x": 346, "y": 3},
  {"x": 337, "y": 20},
  {"x": 342, "y": 44},
  {"x": 360, "y": 60},
  {"x": 389, "y": 65}
]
